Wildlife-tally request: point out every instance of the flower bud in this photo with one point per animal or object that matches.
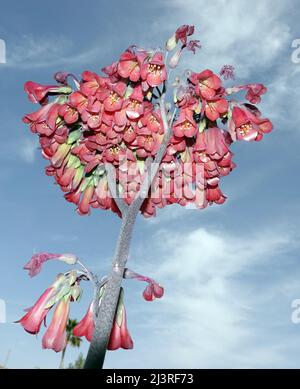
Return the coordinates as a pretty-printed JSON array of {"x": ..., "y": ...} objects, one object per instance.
[
  {"x": 76, "y": 292},
  {"x": 171, "y": 43},
  {"x": 70, "y": 259},
  {"x": 175, "y": 59}
]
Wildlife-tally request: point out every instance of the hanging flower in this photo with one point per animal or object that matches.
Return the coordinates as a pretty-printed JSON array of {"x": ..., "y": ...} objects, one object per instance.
[
  {"x": 120, "y": 337},
  {"x": 34, "y": 266}
]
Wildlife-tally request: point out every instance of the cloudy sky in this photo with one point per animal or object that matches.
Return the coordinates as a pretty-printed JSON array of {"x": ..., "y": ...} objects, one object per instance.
[{"x": 230, "y": 272}]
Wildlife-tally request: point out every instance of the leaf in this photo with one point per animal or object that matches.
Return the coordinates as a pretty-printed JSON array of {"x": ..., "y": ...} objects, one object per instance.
[
  {"x": 74, "y": 136},
  {"x": 202, "y": 125},
  {"x": 140, "y": 165},
  {"x": 63, "y": 291},
  {"x": 119, "y": 313}
]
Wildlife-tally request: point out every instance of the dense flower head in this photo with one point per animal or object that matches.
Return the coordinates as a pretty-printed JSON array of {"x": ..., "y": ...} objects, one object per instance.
[
  {"x": 114, "y": 118},
  {"x": 64, "y": 289}
]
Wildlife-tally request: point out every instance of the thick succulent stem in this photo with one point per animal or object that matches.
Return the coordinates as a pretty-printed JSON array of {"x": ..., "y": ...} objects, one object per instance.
[{"x": 104, "y": 318}]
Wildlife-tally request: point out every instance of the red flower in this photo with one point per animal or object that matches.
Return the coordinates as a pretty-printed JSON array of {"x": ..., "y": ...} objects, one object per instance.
[
  {"x": 185, "y": 125},
  {"x": 207, "y": 83},
  {"x": 43, "y": 121},
  {"x": 35, "y": 316},
  {"x": 34, "y": 266},
  {"x": 128, "y": 66},
  {"x": 84, "y": 204},
  {"x": 154, "y": 71},
  {"x": 129, "y": 134},
  {"x": 215, "y": 108},
  {"x": 183, "y": 32},
  {"x": 244, "y": 125},
  {"x": 120, "y": 337},
  {"x": 114, "y": 100},
  {"x": 134, "y": 106},
  {"x": 78, "y": 101},
  {"x": 152, "y": 291},
  {"x": 254, "y": 92},
  {"x": 33, "y": 319},
  {"x": 55, "y": 337},
  {"x": 212, "y": 143},
  {"x": 86, "y": 325},
  {"x": 37, "y": 93},
  {"x": 148, "y": 144},
  {"x": 91, "y": 82},
  {"x": 177, "y": 144},
  {"x": 213, "y": 160},
  {"x": 68, "y": 113},
  {"x": 152, "y": 121},
  {"x": 214, "y": 195},
  {"x": 112, "y": 72}
]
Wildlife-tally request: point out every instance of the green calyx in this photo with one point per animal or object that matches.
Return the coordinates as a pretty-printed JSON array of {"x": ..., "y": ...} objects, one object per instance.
[
  {"x": 119, "y": 313},
  {"x": 74, "y": 136},
  {"x": 202, "y": 125},
  {"x": 65, "y": 90},
  {"x": 63, "y": 287},
  {"x": 76, "y": 292}
]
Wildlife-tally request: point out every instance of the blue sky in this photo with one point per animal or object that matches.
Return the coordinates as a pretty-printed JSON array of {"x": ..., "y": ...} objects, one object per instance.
[{"x": 230, "y": 272}]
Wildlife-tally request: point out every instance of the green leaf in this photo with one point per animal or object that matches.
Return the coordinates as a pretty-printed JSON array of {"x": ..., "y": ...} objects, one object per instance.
[
  {"x": 119, "y": 313},
  {"x": 78, "y": 175},
  {"x": 72, "y": 277},
  {"x": 65, "y": 90},
  {"x": 128, "y": 92},
  {"x": 140, "y": 165},
  {"x": 96, "y": 180},
  {"x": 74, "y": 136},
  {"x": 61, "y": 99},
  {"x": 63, "y": 291},
  {"x": 202, "y": 125},
  {"x": 86, "y": 183},
  {"x": 76, "y": 292},
  {"x": 72, "y": 160},
  {"x": 198, "y": 108},
  {"x": 229, "y": 114}
]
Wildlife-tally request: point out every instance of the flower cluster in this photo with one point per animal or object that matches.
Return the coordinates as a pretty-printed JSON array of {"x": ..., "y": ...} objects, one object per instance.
[
  {"x": 120, "y": 336},
  {"x": 65, "y": 289},
  {"x": 115, "y": 118}
]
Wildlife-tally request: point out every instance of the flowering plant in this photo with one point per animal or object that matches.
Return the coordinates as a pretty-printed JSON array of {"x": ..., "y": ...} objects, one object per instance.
[{"x": 114, "y": 142}]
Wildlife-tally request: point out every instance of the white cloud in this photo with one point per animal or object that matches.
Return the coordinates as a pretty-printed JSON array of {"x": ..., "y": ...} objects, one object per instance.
[
  {"x": 27, "y": 149},
  {"x": 245, "y": 34},
  {"x": 53, "y": 50},
  {"x": 250, "y": 37},
  {"x": 282, "y": 103},
  {"x": 23, "y": 149},
  {"x": 209, "y": 315}
]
